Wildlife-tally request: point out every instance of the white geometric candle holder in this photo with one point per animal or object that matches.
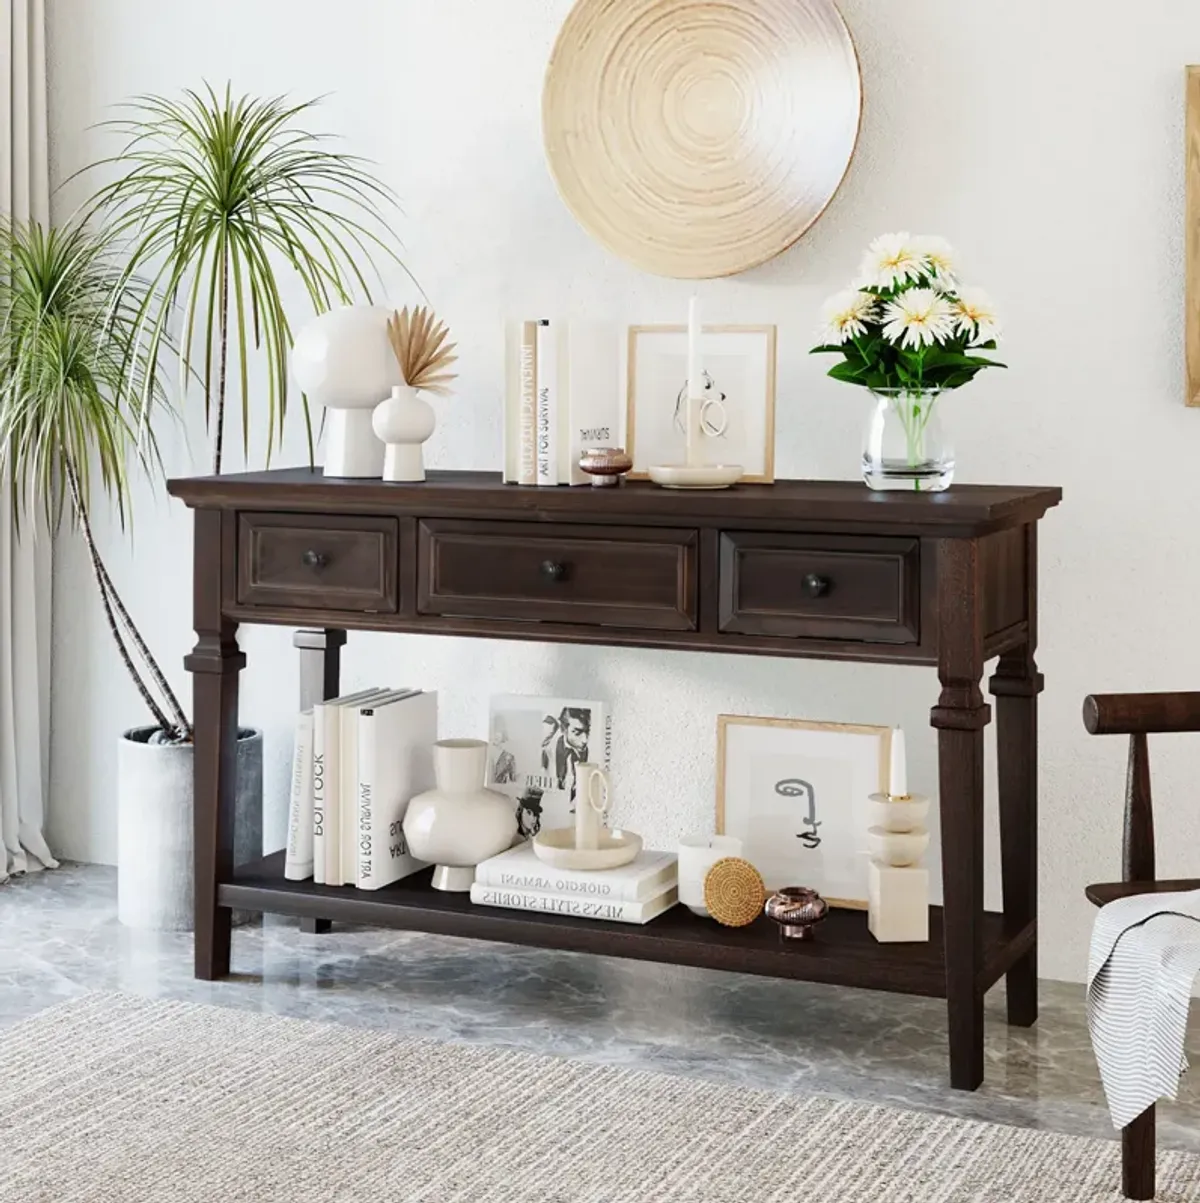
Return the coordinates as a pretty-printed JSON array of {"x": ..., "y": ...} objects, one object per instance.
[{"x": 897, "y": 887}]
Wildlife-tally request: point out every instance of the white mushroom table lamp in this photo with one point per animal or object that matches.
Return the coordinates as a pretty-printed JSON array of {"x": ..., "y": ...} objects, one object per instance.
[
  {"x": 405, "y": 419},
  {"x": 343, "y": 361}
]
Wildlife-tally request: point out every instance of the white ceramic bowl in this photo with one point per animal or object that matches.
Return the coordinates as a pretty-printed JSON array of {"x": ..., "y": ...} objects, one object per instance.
[
  {"x": 897, "y": 848},
  {"x": 701, "y": 476},
  {"x": 896, "y": 815}
]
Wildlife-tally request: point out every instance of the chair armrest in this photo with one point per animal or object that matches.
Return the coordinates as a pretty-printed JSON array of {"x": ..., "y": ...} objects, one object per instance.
[{"x": 1141, "y": 713}]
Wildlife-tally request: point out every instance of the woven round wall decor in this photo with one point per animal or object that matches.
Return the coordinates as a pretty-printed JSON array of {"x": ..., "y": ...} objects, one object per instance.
[
  {"x": 700, "y": 138},
  {"x": 734, "y": 892}
]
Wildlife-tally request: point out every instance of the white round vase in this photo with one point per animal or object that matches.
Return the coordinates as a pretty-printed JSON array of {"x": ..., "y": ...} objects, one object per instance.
[
  {"x": 343, "y": 360},
  {"x": 402, "y": 423},
  {"x": 460, "y": 823}
]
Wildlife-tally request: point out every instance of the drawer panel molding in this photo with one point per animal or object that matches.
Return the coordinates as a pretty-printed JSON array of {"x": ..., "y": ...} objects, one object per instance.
[
  {"x": 590, "y": 575},
  {"x": 318, "y": 562},
  {"x": 820, "y": 587}
]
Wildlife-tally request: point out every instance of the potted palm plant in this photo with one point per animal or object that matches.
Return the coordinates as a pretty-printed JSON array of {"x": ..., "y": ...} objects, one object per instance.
[
  {"x": 77, "y": 395},
  {"x": 181, "y": 261}
]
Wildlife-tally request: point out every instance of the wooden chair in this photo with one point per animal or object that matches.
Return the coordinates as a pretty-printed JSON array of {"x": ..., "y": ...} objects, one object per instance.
[{"x": 1138, "y": 715}]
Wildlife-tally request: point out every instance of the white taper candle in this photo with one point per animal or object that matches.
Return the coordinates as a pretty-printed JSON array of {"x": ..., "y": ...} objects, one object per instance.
[
  {"x": 695, "y": 381},
  {"x": 898, "y": 769}
]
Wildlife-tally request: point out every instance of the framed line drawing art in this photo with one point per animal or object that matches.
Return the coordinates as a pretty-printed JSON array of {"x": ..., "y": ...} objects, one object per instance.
[
  {"x": 738, "y": 412},
  {"x": 796, "y": 794}
]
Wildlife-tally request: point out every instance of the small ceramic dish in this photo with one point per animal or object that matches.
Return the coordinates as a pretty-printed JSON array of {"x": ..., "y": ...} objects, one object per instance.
[
  {"x": 700, "y": 476},
  {"x": 557, "y": 848}
]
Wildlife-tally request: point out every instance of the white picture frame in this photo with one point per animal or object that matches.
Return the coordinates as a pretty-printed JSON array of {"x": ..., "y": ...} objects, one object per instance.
[
  {"x": 813, "y": 833},
  {"x": 740, "y": 362}
]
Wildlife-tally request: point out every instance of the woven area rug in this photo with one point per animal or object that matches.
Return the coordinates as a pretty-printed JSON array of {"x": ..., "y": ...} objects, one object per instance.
[{"x": 116, "y": 1100}]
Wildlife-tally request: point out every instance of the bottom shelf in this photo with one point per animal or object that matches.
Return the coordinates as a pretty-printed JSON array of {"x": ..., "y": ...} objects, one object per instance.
[{"x": 844, "y": 953}]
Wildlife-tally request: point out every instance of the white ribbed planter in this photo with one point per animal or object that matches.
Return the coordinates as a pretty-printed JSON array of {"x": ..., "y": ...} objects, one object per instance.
[{"x": 155, "y": 846}]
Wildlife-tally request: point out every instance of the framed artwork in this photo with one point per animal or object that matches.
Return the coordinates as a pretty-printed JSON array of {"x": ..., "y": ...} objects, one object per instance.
[
  {"x": 737, "y": 416},
  {"x": 536, "y": 742},
  {"x": 796, "y": 794}
]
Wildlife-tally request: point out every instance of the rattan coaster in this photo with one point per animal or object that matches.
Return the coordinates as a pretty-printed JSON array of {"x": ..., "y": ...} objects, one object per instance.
[{"x": 734, "y": 892}]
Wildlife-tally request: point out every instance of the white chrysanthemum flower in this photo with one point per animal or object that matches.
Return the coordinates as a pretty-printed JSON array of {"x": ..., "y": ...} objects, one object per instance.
[
  {"x": 846, "y": 315},
  {"x": 975, "y": 315},
  {"x": 941, "y": 260},
  {"x": 918, "y": 317},
  {"x": 890, "y": 260}
]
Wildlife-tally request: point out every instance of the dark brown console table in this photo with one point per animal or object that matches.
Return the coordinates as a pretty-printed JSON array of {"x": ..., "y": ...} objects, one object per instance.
[{"x": 800, "y": 568}]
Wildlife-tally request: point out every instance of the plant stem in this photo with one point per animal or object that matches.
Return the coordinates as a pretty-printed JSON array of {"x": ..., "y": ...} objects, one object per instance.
[
  {"x": 219, "y": 440},
  {"x": 101, "y": 576},
  {"x": 160, "y": 680}
]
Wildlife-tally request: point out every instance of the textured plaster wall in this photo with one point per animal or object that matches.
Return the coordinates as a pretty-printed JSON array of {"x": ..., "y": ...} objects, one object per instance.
[{"x": 1044, "y": 140}]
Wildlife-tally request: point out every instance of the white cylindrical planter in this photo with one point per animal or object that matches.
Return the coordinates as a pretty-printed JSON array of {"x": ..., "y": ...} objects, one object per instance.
[
  {"x": 403, "y": 422},
  {"x": 155, "y": 845}
]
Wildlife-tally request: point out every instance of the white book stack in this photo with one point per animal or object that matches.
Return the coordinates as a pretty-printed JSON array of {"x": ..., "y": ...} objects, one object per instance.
[
  {"x": 357, "y": 762},
  {"x": 562, "y": 397},
  {"x": 634, "y": 893}
]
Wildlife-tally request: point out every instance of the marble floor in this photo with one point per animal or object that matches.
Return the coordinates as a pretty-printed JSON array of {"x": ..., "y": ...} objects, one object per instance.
[{"x": 59, "y": 938}]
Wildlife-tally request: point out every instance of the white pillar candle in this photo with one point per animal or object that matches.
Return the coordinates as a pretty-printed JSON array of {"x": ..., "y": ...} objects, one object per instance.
[{"x": 898, "y": 769}]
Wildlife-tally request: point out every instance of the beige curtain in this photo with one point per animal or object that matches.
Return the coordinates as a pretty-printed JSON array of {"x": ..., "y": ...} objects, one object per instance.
[{"x": 24, "y": 565}]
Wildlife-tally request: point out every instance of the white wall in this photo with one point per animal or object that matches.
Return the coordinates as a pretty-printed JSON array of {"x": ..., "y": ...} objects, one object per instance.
[{"x": 1043, "y": 139}]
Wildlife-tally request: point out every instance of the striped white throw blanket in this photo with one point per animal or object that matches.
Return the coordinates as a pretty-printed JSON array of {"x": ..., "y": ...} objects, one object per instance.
[{"x": 1145, "y": 955}]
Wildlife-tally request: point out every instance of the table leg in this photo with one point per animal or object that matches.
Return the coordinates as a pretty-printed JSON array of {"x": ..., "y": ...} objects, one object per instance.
[
  {"x": 960, "y": 717},
  {"x": 320, "y": 670},
  {"x": 214, "y": 664},
  {"x": 1016, "y": 685}
]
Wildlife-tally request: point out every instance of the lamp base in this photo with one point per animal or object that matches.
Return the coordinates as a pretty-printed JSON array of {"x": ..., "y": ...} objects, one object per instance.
[{"x": 351, "y": 448}]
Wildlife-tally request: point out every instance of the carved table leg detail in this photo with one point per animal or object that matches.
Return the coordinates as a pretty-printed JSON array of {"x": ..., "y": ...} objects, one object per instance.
[
  {"x": 960, "y": 718},
  {"x": 215, "y": 663},
  {"x": 1016, "y": 685}
]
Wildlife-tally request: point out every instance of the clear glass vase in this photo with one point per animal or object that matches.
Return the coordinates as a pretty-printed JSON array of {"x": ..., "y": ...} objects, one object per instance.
[{"x": 904, "y": 447}]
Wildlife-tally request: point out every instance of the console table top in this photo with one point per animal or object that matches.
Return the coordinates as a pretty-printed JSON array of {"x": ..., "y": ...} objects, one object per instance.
[{"x": 964, "y": 509}]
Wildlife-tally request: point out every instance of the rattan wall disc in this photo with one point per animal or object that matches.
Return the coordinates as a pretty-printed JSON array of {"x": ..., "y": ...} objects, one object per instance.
[
  {"x": 734, "y": 892},
  {"x": 699, "y": 138}
]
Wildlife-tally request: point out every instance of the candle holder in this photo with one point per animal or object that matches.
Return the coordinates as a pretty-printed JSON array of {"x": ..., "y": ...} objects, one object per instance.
[
  {"x": 694, "y": 473},
  {"x": 797, "y": 910},
  {"x": 897, "y": 887}
]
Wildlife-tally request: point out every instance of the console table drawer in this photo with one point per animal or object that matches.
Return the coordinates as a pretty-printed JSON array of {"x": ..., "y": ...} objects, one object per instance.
[
  {"x": 821, "y": 587},
  {"x": 315, "y": 562},
  {"x": 599, "y": 576}
]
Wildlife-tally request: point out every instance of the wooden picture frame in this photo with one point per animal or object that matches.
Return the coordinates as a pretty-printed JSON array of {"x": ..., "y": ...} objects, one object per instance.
[
  {"x": 1191, "y": 325},
  {"x": 649, "y": 447},
  {"x": 840, "y": 872}
]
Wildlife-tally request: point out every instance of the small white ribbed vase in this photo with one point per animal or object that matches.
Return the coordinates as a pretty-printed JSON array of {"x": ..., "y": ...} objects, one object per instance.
[{"x": 403, "y": 422}]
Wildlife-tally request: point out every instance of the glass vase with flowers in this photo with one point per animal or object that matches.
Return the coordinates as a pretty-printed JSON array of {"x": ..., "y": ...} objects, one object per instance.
[{"x": 908, "y": 331}]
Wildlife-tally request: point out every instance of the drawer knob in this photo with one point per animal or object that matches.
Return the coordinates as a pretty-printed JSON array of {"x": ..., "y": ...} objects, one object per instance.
[
  {"x": 815, "y": 585},
  {"x": 552, "y": 570},
  {"x": 314, "y": 559}
]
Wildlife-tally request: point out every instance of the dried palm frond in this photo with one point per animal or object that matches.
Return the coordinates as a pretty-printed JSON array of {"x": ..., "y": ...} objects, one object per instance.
[{"x": 419, "y": 343}]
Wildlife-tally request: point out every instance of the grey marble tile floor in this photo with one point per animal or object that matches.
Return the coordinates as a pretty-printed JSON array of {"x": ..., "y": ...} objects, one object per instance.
[{"x": 59, "y": 938}]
